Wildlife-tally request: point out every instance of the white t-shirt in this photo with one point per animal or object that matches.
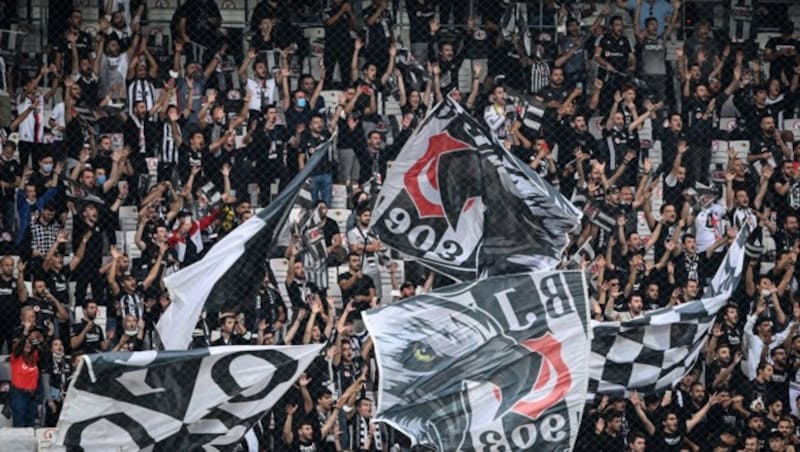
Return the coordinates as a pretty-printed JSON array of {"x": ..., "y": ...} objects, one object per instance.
[
  {"x": 709, "y": 226},
  {"x": 369, "y": 263},
  {"x": 57, "y": 115},
  {"x": 264, "y": 92},
  {"x": 29, "y": 129}
]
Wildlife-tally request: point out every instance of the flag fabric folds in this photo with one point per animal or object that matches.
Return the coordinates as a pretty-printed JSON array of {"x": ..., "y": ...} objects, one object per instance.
[
  {"x": 650, "y": 353},
  {"x": 458, "y": 202},
  {"x": 232, "y": 270},
  {"x": 202, "y": 399},
  {"x": 496, "y": 363}
]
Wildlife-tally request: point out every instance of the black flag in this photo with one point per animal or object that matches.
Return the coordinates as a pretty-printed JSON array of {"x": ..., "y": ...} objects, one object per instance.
[
  {"x": 233, "y": 269},
  {"x": 461, "y": 204}
]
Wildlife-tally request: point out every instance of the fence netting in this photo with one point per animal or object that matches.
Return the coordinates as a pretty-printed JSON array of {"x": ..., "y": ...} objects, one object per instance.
[{"x": 138, "y": 134}]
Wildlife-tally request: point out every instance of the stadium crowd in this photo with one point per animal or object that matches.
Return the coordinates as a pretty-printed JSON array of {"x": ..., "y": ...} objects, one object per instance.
[{"x": 183, "y": 142}]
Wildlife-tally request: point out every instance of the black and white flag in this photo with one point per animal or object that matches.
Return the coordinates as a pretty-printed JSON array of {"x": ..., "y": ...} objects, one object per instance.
[
  {"x": 201, "y": 399},
  {"x": 232, "y": 270},
  {"x": 495, "y": 364},
  {"x": 652, "y": 352},
  {"x": 458, "y": 202}
]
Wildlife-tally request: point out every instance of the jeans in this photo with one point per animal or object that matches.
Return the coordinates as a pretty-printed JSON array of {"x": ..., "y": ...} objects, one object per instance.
[
  {"x": 23, "y": 407},
  {"x": 322, "y": 188}
]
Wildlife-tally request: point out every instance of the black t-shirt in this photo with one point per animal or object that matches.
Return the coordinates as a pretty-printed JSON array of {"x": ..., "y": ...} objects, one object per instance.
[
  {"x": 615, "y": 51},
  {"x": 58, "y": 283},
  {"x": 299, "y": 291},
  {"x": 309, "y": 145},
  {"x": 315, "y": 445},
  {"x": 45, "y": 312},
  {"x": 380, "y": 33},
  {"x": 361, "y": 286},
  {"x": 782, "y": 64},
  {"x": 420, "y": 14},
  {"x": 93, "y": 339},
  {"x": 9, "y": 171},
  {"x": 84, "y": 45},
  {"x": 662, "y": 441},
  {"x": 338, "y": 32},
  {"x": 9, "y": 305}
]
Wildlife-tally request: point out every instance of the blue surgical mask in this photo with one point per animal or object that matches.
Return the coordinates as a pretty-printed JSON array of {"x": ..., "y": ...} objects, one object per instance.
[
  {"x": 47, "y": 168},
  {"x": 101, "y": 179},
  {"x": 302, "y": 102}
]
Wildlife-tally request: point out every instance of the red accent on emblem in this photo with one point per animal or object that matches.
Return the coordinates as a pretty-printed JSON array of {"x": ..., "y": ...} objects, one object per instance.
[
  {"x": 550, "y": 349},
  {"x": 429, "y": 163}
]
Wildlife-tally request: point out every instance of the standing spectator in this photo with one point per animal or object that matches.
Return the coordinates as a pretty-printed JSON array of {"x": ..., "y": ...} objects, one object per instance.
[
  {"x": 88, "y": 272},
  {"x": 367, "y": 246},
  {"x": 380, "y": 33},
  {"x": 87, "y": 336},
  {"x": 56, "y": 374},
  {"x": 340, "y": 21},
  {"x": 420, "y": 15},
  {"x": 614, "y": 56},
  {"x": 262, "y": 86},
  {"x": 30, "y": 108},
  {"x": 199, "y": 22},
  {"x": 312, "y": 141},
  {"x": 651, "y": 48},
  {"x": 25, "y": 375},
  {"x": 781, "y": 53},
  {"x": 10, "y": 177},
  {"x": 72, "y": 41}
]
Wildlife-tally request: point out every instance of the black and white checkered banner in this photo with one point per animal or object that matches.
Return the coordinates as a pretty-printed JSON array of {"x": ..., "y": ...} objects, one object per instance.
[
  {"x": 201, "y": 399},
  {"x": 654, "y": 351}
]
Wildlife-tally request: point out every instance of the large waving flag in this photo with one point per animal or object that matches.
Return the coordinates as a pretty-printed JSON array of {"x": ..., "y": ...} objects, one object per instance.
[
  {"x": 652, "y": 352},
  {"x": 233, "y": 269},
  {"x": 202, "y": 399},
  {"x": 458, "y": 202},
  {"x": 500, "y": 363}
]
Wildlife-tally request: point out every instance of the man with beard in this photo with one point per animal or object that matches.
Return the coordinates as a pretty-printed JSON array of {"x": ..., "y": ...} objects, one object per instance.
[
  {"x": 780, "y": 375},
  {"x": 367, "y": 246},
  {"x": 787, "y": 235},
  {"x": 752, "y": 109},
  {"x": 673, "y": 430},
  {"x": 721, "y": 365},
  {"x": 300, "y": 291},
  {"x": 449, "y": 53},
  {"x": 699, "y": 119},
  {"x": 142, "y": 78},
  {"x": 11, "y": 297},
  {"x": 651, "y": 50},
  {"x": 87, "y": 337},
  {"x": 613, "y": 54},
  {"x": 556, "y": 92},
  {"x": 74, "y": 40},
  {"x": 355, "y": 286},
  {"x": 262, "y": 85},
  {"x": 379, "y": 33},
  {"x": 192, "y": 85},
  {"x": 767, "y": 147},
  {"x": 675, "y": 182},
  {"x": 88, "y": 272},
  {"x": 49, "y": 311},
  {"x": 138, "y": 135},
  {"x": 635, "y": 309},
  {"x": 266, "y": 147},
  {"x": 670, "y": 137}
]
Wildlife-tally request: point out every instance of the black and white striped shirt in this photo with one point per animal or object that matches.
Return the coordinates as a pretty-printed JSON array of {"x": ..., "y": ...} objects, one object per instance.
[
  {"x": 168, "y": 151},
  {"x": 141, "y": 89}
]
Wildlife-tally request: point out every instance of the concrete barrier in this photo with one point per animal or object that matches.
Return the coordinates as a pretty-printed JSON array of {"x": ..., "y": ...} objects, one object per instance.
[{"x": 18, "y": 439}]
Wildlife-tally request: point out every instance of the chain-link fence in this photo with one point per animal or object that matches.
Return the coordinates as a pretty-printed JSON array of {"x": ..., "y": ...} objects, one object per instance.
[{"x": 137, "y": 134}]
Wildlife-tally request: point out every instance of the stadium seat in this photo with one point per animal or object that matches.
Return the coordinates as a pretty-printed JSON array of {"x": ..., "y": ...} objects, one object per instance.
[{"x": 794, "y": 126}]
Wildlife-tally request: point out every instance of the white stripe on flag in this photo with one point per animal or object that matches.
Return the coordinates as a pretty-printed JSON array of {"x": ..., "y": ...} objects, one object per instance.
[{"x": 190, "y": 287}]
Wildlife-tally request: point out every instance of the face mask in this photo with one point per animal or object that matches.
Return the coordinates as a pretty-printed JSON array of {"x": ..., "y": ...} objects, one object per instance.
[
  {"x": 101, "y": 179},
  {"x": 302, "y": 103},
  {"x": 8, "y": 159},
  {"x": 58, "y": 355},
  {"x": 131, "y": 332},
  {"x": 47, "y": 168}
]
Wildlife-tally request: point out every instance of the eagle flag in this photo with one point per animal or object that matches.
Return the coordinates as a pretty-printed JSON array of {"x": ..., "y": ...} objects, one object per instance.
[
  {"x": 458, "y": 202},
  {"x": 495, "y": 364}
]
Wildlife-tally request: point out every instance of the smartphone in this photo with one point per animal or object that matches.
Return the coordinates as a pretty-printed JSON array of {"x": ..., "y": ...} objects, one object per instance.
[{"x": 579, "y": 85}]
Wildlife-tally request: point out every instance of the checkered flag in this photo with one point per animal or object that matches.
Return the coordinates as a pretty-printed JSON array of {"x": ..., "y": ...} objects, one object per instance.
[{"x": 653, "y": 352}]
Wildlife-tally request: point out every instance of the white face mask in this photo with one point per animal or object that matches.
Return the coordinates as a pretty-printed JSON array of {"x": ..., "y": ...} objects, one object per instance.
[
  {"x": 131, "y": 332},
  {"x": 58, "y": 355}
]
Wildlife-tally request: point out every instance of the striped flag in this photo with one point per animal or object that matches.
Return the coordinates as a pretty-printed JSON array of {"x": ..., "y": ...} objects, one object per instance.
[{"x": 232, "y": 270}]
